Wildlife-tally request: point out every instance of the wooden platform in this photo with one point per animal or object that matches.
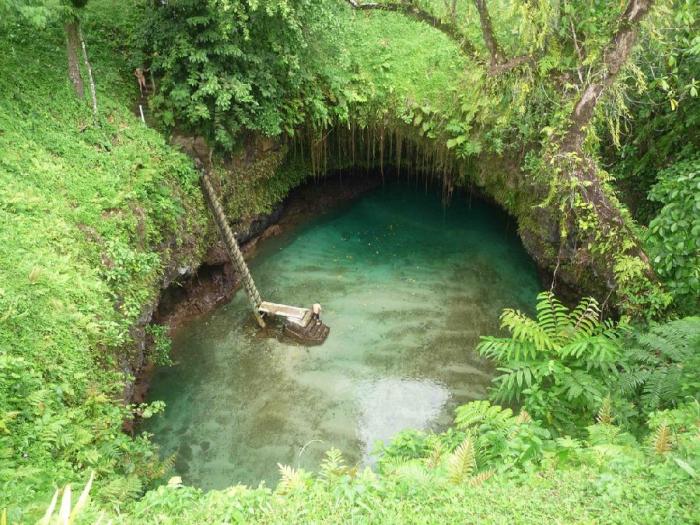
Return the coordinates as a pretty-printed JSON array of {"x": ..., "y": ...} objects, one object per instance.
[
  {"x": 314, "y": 333},
  {"x": 298, "y": 322}
]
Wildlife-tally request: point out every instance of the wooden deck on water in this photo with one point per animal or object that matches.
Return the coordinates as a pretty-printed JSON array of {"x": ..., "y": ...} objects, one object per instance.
[
  {"x": 293, "y": 314},
  {"x": 299, "y": 322}
]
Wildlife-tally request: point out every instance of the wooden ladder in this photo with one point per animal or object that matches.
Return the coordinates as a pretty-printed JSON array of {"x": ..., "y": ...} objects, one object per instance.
[
  {"x": 232, "y": 248},
  {"x": 300, "y": 323}
]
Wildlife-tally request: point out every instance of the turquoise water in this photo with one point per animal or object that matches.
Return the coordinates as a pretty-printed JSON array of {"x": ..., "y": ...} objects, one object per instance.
[{"x": 406, "y": 286}]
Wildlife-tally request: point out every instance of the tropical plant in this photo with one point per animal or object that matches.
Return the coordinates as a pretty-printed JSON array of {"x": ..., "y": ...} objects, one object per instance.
[
  {"x": 674, "y": 234},
  {"x": 663, "y": 365},
  {"x": 238, "y": 66},
  {"x": 561, "y": 365},
  {"x": 40, "y": 13},
  {"x": 503, "y": 440}
]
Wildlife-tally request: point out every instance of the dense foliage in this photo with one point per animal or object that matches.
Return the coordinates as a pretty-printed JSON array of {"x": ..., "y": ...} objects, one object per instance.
[
  {"x": 559, "y": 366},
  {"x": 97, "y": 211},
  {"x": 494, "y": 467},
  {"x": 227, "y": 67},
  {"x": 674, "y": 233},
  {"x": 90, "y": 217},
  {"x": 566, "y": 364}
]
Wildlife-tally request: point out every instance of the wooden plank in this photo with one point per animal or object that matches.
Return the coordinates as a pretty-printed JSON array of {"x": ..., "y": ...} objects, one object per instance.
[{"x": 293, "y": 313}]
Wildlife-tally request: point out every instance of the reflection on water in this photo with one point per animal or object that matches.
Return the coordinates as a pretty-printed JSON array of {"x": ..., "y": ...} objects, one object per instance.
[
  {"x": 407, "y": 287},
  {"x": 389, "y": 405}
]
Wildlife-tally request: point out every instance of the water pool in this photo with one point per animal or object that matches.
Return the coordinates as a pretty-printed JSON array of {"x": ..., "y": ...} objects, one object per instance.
[{"x": 407, "y": 286}]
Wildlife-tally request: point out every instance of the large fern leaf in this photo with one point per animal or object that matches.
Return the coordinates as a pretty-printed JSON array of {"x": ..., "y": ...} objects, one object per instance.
[{"x": 462, "y": 463}]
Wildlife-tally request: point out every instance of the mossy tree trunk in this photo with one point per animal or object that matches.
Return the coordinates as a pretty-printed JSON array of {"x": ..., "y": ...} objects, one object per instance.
[{"x": 73, "y": 46}]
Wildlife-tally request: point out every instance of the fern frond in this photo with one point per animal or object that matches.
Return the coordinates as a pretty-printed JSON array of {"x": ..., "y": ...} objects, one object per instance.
[
  {"x": 552, "y": 315},
  {"x": 605, "y": 412},
  {"x": 413, "y": 472},
  {"x": 333, "y": 464},
  {"x": 505, "y": 350},
  {"x": 476, "y": 413},
  {"x": 629, "y": 382},
  {"x": 477, "y": 480},
  {"x": 291, "y": 479},
  {"x": 523, "y": 417},
  {"x": 662, "y": 440},
  {"x": 586, "y": 317},
  {"x": 436, "y": 453},
  {"x": 526, "y": 330},
  {"x": 462, "y": 462},
  {"x": 121, "y": 489}
]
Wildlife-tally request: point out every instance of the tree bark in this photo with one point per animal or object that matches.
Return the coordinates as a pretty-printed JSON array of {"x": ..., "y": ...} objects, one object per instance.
[
  {"x": 72, "y": 49},
  {"x": 495, "y": 52},
  {"x": 576, "y": 164},
  {"x": 498, "y": 62},
  {"x": 88, "y": 66},
  {"x": 614, "y": 57}
]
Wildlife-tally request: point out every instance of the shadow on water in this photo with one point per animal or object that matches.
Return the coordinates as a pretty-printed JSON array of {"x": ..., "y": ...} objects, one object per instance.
[{"x": 407, "y": 288}]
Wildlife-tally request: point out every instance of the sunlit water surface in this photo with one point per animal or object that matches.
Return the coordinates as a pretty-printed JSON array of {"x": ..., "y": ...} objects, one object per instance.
[{"x": 406, "y": 286}]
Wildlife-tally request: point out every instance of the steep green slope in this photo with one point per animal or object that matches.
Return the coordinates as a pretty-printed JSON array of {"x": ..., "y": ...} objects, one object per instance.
[
  {"x": 93, "y": 216},
  {"x": 89, "y": 218}
]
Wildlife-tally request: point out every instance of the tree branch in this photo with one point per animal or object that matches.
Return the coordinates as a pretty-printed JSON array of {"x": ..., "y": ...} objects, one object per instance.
[
  {"x": 408, "y": 8},
  {"x": 614, "y": 58},
  {"x": 496, "y": 54},
  {"x": 503, "y": 67},
  {"x": 72, "y": 47}
]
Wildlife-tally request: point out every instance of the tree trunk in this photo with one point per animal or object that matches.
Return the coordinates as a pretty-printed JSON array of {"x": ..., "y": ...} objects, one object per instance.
[
  {"x": 579, "y": 170},
  {"x": 73, "y": 49},
  {"x": 88, "y": 66},
  {"x": 614, "y": 57},
  {"x": 495, "y": 53}
]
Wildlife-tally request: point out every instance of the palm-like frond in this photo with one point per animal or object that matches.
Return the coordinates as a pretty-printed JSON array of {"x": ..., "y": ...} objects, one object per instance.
[
  {"x": 568, "y": 357},
  {"x": 290, "y": 479},
  {"x": 523, "y": 418},
  {"x": 477, "y": 480},
  {"x": 662, "y": 363},
  {"x": 462, "y": 463},
  {"x": 436, "y": 453},
  {"x": 605, "y": 413},
  {"x": 122, "y": 489},
  {"x": 333, "y": 464},
  {"x": 504, "y": 350},
  {"x": 476, "y": 413},
  {"x": 662, "y": 440},
  {"x": 526, "y": 330},
  {"x": 552, "y": 315},
  {"x": 585, "y": 318}
]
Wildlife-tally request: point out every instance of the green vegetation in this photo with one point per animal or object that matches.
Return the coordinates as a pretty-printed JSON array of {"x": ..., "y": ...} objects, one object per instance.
[
  {"x": 674, "y": 233},
  {"x": 559, "y": 366},
  {"x": 92, "y": 215},
  {"x": 528, "y": 101}
]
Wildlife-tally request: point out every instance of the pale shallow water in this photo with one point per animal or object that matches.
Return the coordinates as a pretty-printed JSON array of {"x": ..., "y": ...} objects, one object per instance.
[{"x": 406, "y": 285}]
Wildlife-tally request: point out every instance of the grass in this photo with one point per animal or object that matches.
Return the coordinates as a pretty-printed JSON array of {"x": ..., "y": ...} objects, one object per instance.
[{"x": 90, "y": 216}]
